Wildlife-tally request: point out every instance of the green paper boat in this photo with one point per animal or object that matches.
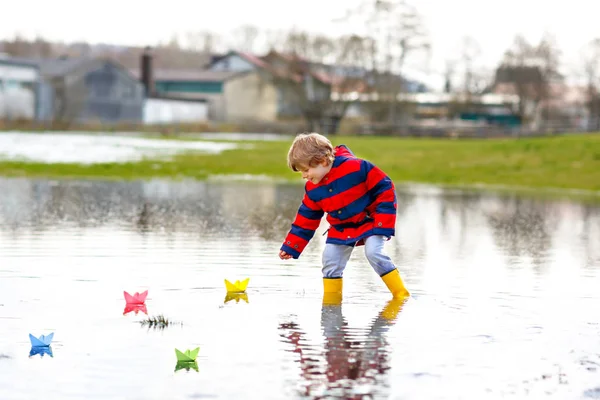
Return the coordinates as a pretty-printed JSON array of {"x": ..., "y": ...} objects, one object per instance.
[{"x": 187, "y": 356}]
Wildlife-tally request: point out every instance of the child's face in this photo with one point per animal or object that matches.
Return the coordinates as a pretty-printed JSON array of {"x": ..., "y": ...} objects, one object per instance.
[{"x": 316, "y": 173}]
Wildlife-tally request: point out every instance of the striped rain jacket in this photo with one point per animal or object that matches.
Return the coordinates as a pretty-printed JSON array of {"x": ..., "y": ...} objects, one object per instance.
[{"x": 359, "y": 199}]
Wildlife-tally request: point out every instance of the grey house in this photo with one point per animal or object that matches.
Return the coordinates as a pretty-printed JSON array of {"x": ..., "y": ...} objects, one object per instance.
[{"x": 89, "y": 90}]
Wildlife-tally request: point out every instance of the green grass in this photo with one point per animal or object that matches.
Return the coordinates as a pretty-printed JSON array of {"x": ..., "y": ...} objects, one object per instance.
[{"x": 571, "y": 162}]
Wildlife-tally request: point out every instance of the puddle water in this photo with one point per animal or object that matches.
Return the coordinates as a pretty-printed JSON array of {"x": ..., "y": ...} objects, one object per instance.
[
  {"x": 505, "y": 297},
  {"x": 90, "y": 149}
]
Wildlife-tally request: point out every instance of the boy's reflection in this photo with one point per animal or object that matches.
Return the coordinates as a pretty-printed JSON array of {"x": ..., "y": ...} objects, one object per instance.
[{"x": 352, "y": 357}]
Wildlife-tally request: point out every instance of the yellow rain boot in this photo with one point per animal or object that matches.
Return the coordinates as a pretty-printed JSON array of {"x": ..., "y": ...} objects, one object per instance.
[
  {"x": 394, "y": 283},
  {"x": 332, "y": 291}
]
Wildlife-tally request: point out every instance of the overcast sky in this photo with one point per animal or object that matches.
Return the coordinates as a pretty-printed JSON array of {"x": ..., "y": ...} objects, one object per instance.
[{"x": 135, "y": 22}]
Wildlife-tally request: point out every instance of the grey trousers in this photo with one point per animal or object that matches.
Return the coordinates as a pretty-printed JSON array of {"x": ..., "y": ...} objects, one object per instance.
[{"x": 335, "y": 257}]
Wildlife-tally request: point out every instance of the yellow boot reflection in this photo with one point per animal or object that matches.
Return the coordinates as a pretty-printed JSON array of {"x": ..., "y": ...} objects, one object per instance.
[{"x": 392, "y": 309}]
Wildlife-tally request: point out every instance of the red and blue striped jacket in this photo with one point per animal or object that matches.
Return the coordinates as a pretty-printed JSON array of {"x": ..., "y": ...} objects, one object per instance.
[{"x": 359, "y": 199}]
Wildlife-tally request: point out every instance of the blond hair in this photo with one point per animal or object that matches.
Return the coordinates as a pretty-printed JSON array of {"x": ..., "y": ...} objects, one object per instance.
[{"x": 309, "y": 150}]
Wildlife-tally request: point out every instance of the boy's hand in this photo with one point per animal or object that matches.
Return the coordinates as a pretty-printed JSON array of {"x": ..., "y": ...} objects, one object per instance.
[{"x": 284, "y": 256}]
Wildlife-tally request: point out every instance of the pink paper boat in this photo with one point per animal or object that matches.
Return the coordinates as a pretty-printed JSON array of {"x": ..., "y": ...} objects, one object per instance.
[{"x": 137, "y": 298}]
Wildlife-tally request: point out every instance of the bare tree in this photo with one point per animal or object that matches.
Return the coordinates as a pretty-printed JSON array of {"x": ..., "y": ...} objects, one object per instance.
[
  {"x": 244, "y": 38},
  {"x": 592, "y": 73},
  {"x": 173, "y": 43},
  {"x": 319, "y": 77},
  {"x": 70, "y": 97},
  {"x": 203, "y": 41},
  {"x": 397, "y": 33},
  {"x": 21, "y": 47},
  {"x": 449, "y": 72},
  {"x": 470, "y": 52},
  {"x": 274, "y": 38},
  {"x": 530, "y": 70}
]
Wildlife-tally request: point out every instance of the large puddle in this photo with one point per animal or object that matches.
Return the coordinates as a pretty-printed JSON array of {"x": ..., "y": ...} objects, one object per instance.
[{"x": 505, "y": 297}]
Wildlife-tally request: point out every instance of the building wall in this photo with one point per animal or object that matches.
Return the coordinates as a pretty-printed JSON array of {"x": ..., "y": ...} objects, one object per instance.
[
  {"x": 215, "y": 102},
  {"x": 18, "y": 73},
  {"x": 45, "y": 101},
  {"x": 18, "y": 91},
  {"x": 17, "y": 102},
  {"x": 250, "y": 97},
  {"x": 166, "y": 111}
]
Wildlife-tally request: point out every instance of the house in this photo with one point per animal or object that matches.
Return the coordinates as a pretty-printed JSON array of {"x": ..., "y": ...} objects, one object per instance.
[
  {"x": 249, "y": 93},
  {"x": 19, "y": 82},
  {"x": 172, "y": 104},
  {"x": 89, "y": 90},
  {"x": 204, "y": 87},
  {"x": 234, "y": 90},
  {"x": 318, "y": 82}
]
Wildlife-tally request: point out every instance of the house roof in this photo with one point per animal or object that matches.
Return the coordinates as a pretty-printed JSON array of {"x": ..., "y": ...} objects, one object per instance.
[
  {"x": 188, "y": 75},
  {"x": 17, "y": 61},
  {"x": 62, "y": 66},
  {"x": 251, "y": 58}
]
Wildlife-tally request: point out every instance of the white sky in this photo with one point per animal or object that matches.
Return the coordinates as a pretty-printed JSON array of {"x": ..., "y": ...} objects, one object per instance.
[{"x": 493, "y": 23}]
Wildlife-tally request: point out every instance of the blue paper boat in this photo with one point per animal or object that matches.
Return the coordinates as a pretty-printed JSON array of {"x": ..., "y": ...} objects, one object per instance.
[
  {"x": 41, "y": 351},
  {"x": 42, "y": 341}
]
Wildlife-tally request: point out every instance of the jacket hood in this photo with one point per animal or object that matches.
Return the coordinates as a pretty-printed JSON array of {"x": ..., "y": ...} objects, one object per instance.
[{"x": 343, "y": 151}]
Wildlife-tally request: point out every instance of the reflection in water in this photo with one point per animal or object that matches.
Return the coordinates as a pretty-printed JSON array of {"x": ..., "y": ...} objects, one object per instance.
[
  {"x": 353, "y": 362},
  {"x": 236, "y": 296},
  {"x": 136, "y": 308},
  {"x": 187, "y": 365},
  {"x": 521, "y": 228},
  {"x": 35, "y": 350},
  {"x": 495, "y": 278},
  {"x": 169, "y": 206}
]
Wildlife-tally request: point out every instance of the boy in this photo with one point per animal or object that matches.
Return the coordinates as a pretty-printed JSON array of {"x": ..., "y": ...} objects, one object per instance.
[{"x": 360, "y": 202}]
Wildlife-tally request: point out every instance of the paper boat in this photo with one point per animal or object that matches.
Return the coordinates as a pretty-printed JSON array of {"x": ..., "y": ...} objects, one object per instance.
[
  {"x": 136, "y": 308},
  {"x": 137, "y": 298},
  {"x": 236, "y": 296},
  {"x": 42, "y": 341},
  {"x": 41, "y": 351},
  {"x": 187, "y": 365},
  {"x": 237, "y": 286},
  {"x": 188, "y": 355}
]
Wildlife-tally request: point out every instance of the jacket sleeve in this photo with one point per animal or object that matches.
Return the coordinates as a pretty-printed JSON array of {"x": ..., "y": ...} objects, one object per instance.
[
  {"x": 303, "y": 229},
  {"x": 383, "y": 199}
]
